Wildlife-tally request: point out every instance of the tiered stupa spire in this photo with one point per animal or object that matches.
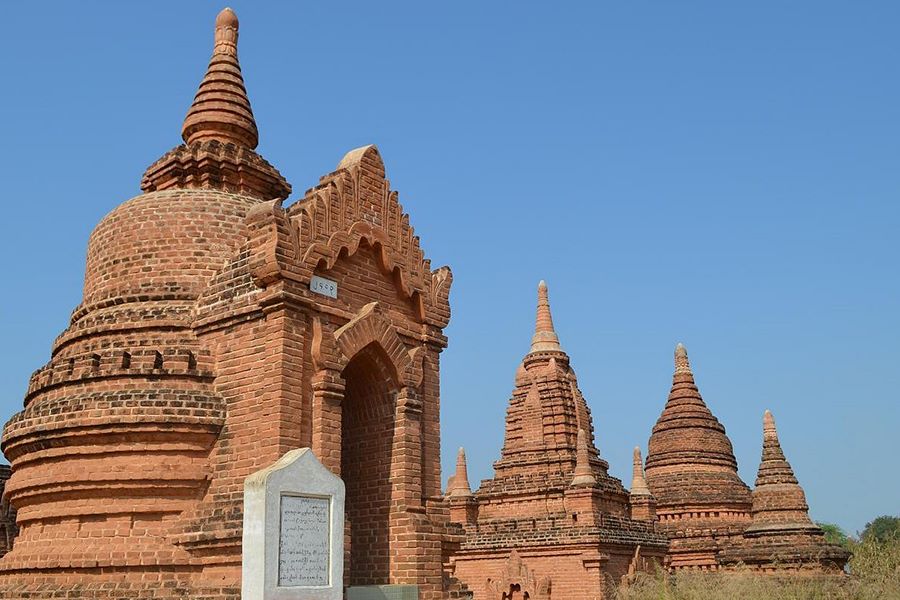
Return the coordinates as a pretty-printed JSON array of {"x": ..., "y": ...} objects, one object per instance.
[
  {"x": 546, "y": 418},
  {"x": 778, "y": 499},
  {"x": 221, "y": 110},
  {"x": 692, "y": 473},
  {"x": 219, "y": 132},
  {"x": 687, "y": 438},
  {"x": 545, "y": 338}
]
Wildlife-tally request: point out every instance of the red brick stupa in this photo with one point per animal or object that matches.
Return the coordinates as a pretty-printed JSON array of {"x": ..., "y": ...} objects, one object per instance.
[
  {"x": 204, "y": 350},
  {"x": 781, "y": 535},
  {"x": 551, "y": 520},
  {"x": 692, "y": 473}
]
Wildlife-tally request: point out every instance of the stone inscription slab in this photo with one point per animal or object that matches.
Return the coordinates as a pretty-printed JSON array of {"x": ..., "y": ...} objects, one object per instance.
[
  {"x": 304, "y": 542},
  {"x": 326, "y": 287}
]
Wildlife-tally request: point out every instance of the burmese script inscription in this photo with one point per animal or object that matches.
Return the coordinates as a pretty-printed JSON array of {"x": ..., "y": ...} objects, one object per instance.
[{"x": 304, "y": 542}]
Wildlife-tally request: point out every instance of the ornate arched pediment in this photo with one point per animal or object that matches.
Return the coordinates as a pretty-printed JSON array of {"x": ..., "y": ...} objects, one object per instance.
[
  {"x": 518, "y": 581},
  {"x": 350, "y": 208},
  {"x": 354, "y": 206},
  {"x": 371, "y": 326}
]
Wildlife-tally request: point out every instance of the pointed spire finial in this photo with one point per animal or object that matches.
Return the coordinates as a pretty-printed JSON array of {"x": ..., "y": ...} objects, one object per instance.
[
  {"x": 769, "y": 430},
  {"x": 583, "y": 473},
  {"x": 682, "y": 364},
  {"x": 221, "y": 110},
  {"x": 545, "y": 338},
  {"x": 460, "y": 483},
  {"x": 638, "y": 483},
  {"x": 226, "y": 35}
]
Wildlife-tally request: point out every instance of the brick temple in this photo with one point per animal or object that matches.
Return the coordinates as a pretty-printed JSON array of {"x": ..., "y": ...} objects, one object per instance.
[
  {"x": 220, "y": 329},
  {"x": 551, "y": 498},
  {"x": 200, "y": 354}
]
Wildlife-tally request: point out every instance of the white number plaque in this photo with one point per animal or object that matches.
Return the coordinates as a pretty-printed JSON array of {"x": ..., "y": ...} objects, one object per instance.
[{"x": 323, "y": 286}]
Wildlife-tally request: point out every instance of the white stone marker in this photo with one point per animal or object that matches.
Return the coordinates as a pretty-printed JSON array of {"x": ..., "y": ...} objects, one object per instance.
[{"x": 293, "y": 545}]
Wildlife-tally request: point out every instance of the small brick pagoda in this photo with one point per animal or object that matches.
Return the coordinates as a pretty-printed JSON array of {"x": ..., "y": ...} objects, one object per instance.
[
  {"x": 200, "y": 354},
  {"x": 709, "y": 514},
  {"x": 781, "y": 536},
  {"x": 551, "y": 521},
  {"x": 701, "y": 501}
]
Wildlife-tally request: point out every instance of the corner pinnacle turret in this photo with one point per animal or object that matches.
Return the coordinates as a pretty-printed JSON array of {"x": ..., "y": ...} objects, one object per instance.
[
  {"x": 583, "y": 475},
  {"x": 459, "y": 485},
  {"x": 638, "y": 483},
  {"x": 545, "y": 338},
  {"x": 221, "y": 108}
]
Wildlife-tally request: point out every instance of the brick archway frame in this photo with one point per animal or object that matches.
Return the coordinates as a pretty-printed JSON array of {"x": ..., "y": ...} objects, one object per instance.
[
  {"x": 331, "y": 355},
  {"x": 370, "y": 326}
]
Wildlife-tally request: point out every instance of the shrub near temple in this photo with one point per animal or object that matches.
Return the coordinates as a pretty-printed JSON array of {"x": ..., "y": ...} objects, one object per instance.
[{"x": 874, "y": 575}]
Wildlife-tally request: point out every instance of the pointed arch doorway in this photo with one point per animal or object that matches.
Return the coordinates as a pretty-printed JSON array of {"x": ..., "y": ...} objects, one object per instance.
[{"x": 367, "y": 429}]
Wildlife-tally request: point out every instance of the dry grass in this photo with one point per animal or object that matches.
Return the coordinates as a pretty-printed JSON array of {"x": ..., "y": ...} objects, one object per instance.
[{"x": 875, "y": 575}]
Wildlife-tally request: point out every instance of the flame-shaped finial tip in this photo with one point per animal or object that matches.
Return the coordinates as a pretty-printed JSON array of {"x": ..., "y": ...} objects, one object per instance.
[
  {"x": 682, "y": 364},
  {"x": 226, "y": 36},
  {"x": 227, "y": 18}
]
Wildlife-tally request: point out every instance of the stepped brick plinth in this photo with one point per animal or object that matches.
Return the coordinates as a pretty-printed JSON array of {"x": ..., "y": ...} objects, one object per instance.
[
  {"x": 201, "y": 353},
  {"x": 551, "y": 520},
  {"x": 701, "y": 501},
  {"x": 781, "y": 536}
]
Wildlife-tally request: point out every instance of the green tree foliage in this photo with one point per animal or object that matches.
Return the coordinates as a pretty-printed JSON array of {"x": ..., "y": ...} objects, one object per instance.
[
  {"x": 882, "y": 529},
  {"x": 834, "y": 534}
]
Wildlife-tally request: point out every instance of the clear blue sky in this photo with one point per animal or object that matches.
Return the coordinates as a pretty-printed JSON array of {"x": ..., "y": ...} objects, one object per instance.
[{"x": 724, "y": 176}]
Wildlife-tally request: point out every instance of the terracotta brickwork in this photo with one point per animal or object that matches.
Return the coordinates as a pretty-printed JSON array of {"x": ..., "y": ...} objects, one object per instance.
[
  {"x": 708, "y": 513},
  {"x": 552, "y": 521},
  {"x": 200, "y": 354},
  {"x": 781, "y": 536},
  {"x": 692, "y": 473}
]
